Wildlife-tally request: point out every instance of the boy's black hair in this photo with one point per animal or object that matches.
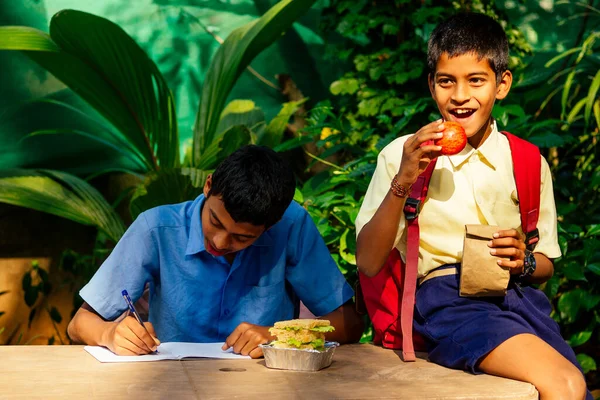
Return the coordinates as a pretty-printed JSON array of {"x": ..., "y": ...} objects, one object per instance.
[
  {"x": 466, "y": 33},
  {"x": 255, "y": 184}
]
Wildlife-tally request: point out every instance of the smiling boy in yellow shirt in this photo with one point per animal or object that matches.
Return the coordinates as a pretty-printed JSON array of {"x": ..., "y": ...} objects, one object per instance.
[{"x": 514, "y": 336}]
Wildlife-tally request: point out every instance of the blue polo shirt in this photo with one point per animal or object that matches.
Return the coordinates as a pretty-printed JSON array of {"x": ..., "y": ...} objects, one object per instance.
[{"x": 196, "y": 297}]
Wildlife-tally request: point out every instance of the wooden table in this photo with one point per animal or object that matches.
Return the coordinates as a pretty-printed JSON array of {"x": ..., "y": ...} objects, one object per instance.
[{"x": 357, "y": 372}]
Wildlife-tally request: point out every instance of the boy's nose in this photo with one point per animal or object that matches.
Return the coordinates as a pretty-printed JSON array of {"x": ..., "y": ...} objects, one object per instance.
[
  {"x": 461, "y": 94},
  {"x": 221, "y": 241}
]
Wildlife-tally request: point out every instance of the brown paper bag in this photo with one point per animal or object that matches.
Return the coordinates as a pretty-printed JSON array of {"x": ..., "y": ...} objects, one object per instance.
[{"x": 480, "y": 274}]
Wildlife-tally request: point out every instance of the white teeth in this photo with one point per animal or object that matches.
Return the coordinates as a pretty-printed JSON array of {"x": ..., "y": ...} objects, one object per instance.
[{"x": 461, "y": 111}]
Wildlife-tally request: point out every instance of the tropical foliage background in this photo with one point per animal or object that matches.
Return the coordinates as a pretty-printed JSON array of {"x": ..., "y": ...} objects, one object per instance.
[{"x": 148, "y": 98}]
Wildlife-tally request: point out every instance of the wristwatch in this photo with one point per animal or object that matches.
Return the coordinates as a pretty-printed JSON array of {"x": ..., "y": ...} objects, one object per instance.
[{"x": 528, "y": 265}]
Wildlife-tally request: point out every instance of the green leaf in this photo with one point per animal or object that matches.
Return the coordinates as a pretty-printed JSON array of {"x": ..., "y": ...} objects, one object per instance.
[
  {"x": 223, "y": 145},
  {"x": 344, "y": 86},
  {"x": 164, "y": 187},
  {"x": 298, "y": 198},
  {"x": 293, "y": 143},
  {"x": 574, "y": 113},
  {"x": 102, "y": 64},
  {"x": 547, "y": 140},
  {"x": 574, "y": 271},
  {"x": 349, "y": 257},
  {"x": 236, "y": 53},
  {"x": 551, "y": 286},
  {"x": 273, "y": 134},
  {"x": 570, "y": 304},
  {"x": 23, "y": 37},
  {"x": 60, "y": 194},
  {"x": 591, "y": 97},
  {"x": 593, "y": 230},
  {"x": 587, "y": 363},
  {"x": 240, "y": 112},
  {"x": 595, "y": 268},
  {"x": 566, "y": 91},
  {"x": 579, "y": 338},
  {"x": 55, "y": 315},
  {"x": 197, "y": 176},
  {"x": 561, "y": 56}
]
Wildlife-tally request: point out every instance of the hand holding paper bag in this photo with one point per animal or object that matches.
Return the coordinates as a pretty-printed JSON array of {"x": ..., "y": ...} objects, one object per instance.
[{"x": 480, "y": 274}]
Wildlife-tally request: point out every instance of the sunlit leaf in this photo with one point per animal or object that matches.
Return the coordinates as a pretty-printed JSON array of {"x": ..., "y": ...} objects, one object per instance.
[
  {"x": 570, "y": 304},
  {"x": 60, "y": 194},
  {"x": 591, "y": 97},
  {"x": 587, "y": 363},
  {"x": 236, "y": 53},
  {"x": 102, "y": 64},
  {"x": 345, "y": 252},
  {"x": 273, "y": 134},
  {"x": 164, "y": 187},
  {"x": 579, "y": 338}
]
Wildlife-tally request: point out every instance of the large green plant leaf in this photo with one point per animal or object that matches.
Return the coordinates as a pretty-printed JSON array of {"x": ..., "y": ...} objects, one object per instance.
[
  {"x": 62, "y": 111},
  {"x": 223, "y": 145},
  {"x": 167, "y": 187},
  {"x": 241, "y": 112},
  {"x": 60, "y": 194},
  {"x": 273, "y": 134},
  {"x": 236, "y": 53},
  {"x": 102, "y": 64}
]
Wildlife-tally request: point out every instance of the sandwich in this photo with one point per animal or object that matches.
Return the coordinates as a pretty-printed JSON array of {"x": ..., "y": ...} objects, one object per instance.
[{"x": 301, "y": 334}]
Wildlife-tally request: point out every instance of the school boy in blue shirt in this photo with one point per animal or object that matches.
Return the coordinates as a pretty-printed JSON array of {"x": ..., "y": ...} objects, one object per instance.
[
  {"x": 224, "y": 267},
  {"x": 512, "y": 336}
]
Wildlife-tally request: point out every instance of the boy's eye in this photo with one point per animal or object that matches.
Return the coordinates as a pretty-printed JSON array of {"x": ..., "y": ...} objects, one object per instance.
[
  {"x": 477, "y": 81},
  {"x": 444, "y": 82},
  {"x": 241, "y": 239}
]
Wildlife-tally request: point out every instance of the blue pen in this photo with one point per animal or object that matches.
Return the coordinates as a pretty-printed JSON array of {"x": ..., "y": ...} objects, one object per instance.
[{"x": 133, "y": 310}]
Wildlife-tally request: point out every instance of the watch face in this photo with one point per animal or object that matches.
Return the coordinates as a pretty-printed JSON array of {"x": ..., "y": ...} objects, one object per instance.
[{"x": 529, "y": 262}]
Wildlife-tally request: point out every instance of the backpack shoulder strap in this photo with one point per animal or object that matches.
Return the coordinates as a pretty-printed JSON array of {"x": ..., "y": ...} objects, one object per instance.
[
  {"x": 527, "y": 166},
  {"x": 412, "y": 207}
]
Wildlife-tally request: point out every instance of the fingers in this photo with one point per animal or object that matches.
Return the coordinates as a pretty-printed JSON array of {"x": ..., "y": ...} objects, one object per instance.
[
  {"x": 235, "y": 335},
  {"x": 245, "y": 339},
  {"x": 508, "y": 245},
  {"x": 132, "y": 336},
  {"x": 513, "y": 233},
  {"x": 425, "y": 137},
  {"x": 150, "y": 329},
  {"x": 256, "y": 353}
]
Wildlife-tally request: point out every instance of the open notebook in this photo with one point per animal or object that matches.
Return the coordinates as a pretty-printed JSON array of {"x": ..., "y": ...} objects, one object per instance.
[{"x": 166, "y": 351}]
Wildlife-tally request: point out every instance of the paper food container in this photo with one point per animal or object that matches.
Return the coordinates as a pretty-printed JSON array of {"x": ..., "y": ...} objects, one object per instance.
[{"x": 298, "y": 359}]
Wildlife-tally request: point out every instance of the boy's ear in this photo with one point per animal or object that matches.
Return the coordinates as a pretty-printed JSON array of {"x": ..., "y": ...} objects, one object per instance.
[
  {"x": 504, "y": 86},
  {"x": 431, "y": 84},
  {"x": 207, "y": 185}
]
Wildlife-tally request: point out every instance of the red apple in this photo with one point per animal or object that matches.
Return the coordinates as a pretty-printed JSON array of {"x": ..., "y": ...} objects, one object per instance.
[{"x": 454, "y": 139}]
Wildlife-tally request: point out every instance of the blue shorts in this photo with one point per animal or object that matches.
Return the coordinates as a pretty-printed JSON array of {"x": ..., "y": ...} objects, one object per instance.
[{"x": 460, "y": 331}]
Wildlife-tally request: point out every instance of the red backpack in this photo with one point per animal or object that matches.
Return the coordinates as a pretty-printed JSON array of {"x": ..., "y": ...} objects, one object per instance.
[{"x": 390, "y": 295}]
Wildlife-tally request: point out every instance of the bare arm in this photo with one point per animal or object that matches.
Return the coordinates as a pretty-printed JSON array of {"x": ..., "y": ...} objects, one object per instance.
[
  {"x": 544, "y": 269},
  {"x": 124, "y": 337},
  {"x": 348, "y": 324},
  {"x": 376, "y": 238},
  {"x": 371, "y": 254}
]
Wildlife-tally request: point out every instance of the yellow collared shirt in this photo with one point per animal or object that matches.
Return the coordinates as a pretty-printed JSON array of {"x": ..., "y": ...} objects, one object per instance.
[{"x": 476, "y": 186}]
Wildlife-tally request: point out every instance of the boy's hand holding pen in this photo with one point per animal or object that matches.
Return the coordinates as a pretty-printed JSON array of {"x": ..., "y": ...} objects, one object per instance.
[{"x": 131, "y": 336}]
